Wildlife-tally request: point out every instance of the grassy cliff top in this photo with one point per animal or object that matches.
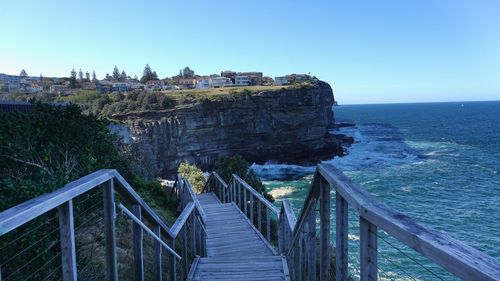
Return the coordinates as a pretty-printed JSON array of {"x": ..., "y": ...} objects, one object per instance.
[
  {"x": 136, "y": 102},
  {"x": 113, "y": 105}
]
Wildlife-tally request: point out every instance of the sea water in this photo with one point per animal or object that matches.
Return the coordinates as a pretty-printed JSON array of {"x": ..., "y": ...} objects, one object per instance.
[{"x": 439, "y": 163}]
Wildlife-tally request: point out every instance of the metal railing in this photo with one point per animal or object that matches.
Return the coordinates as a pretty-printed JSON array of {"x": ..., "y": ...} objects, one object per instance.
[{"x": 96, "y": 196}]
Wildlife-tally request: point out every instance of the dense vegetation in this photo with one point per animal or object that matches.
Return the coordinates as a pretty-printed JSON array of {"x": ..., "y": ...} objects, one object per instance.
[
  {"x": 40, "y": 152},
  {"x": 112, "y": 104},
  {"x": 50, "y": 146},
  {"x": 226, "y": 166},
  {"x": 193, "y": 174}
]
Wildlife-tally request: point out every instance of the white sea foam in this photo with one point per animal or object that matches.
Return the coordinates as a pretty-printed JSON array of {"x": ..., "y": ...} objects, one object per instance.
[
  {"x": 281, "y": 192},
  {"x": 375, "y": 146}
]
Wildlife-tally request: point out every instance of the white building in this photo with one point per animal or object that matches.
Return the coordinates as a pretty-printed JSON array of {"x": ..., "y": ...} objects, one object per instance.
[
  {"x": 281, "y": 80},
  {"x": 13, "y": 81},
  {"x": 58, "y": 89},
  {"x": 218, "y": 82},
  {"x": 203, "y": 83},
  {"x": 242, "y": 80}
]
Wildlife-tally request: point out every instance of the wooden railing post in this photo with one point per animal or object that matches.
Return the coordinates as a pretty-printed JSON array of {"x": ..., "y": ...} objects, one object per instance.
[
  {"x": 297, "y": 253},
  {"x": 109, "y": 231},
  {"x": 238, "y": 194},
  {"x": 251, "y": 209},
  {"x": 303, "y": 252},
  {"x": 138, "y": 249},
  {"x": 368, "y": 250},
  {"x": 341, "y": 239},
  {"x": 259, "y": 215},
  {"x": 268, "y": 224},
  {"x": 193, "y": 234},
  {"x": 324, "y": 188},
  {"x": 67, "y": 237},
  {"x": 311, "y": 255},
  {"x": 184, "y": 251},
  {"x": 224, "y": 199},
  {"x": 245, "y": 202},
  {"x": 281, "y": 228},
  {"x": 157, "y": 264}
]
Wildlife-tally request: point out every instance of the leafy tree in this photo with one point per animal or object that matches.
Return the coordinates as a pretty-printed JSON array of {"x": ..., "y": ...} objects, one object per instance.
[
  {"x": 87, "y": 76},
  {"x": 72, "y": 79},
  {"x": 94, "y": 78},
  {"x": 148, "y": 74},
  {"x": 23, "y": 73},
  {"x": 48, "y": 147},
  {"x": 43, "y": 150},
  {"x": 116, "y": 73},
  {"x": 135, "y": 77},
  {"x": 226, "y": 166},
  {"x": 80, "y": 74},
  {"x": 193, "y": 174},
  {"x": 109, "y": 77},
  {"x": 123, "y": 76}
]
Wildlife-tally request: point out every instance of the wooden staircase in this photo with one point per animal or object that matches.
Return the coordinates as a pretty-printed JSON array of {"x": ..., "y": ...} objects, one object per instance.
[
  {"x": 227, "y": 232},
  {"x": 236, "y": 250}
]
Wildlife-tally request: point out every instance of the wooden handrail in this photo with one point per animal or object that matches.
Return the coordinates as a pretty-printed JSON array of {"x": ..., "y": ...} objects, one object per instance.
[
  {"x": 112, "y": 182},
  {"x": 145, "y": 228},
  {"x": 192, "y": 197},
  {"x": 455, "y": 256},
  {"x": 182, "y": 219},
  {"x": 259, "y": 196},
  {"x": 18, "y": 215},
  {"x": 31, "y": 209}
]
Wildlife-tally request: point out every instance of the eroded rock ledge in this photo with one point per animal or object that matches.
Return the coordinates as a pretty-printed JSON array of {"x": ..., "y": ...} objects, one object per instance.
[{"x": 287, "y": 125}]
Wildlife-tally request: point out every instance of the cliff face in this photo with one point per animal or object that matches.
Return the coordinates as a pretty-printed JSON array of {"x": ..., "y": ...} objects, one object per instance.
[{"x": 288, "y": 125}]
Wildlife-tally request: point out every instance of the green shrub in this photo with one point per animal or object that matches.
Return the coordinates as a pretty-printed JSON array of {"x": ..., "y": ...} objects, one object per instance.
[
  {"x": 193, "y": 174},
  {"x": 236, "y": 164}
]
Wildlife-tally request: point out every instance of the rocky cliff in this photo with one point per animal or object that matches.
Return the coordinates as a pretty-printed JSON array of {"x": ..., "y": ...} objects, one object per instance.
[{"x": 286, "y": 125}]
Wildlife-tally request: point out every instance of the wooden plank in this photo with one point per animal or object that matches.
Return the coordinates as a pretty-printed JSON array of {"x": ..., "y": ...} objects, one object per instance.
[
  {"x": 25, "y": 212},
  {"x": 368, "y": 250},
  {"x": 157, "y": 261},
  {"x": 138, "y": 249},
  {"x": 109, "y": 231},
  {"x": 67, "y": 238},
  {"x": 341, "y": 239},
  {"x": 324, "y": 230},
  {"x": 458, "y": 258}
]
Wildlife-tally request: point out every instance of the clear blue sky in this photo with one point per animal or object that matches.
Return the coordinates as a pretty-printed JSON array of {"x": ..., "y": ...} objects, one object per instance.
[{"x": 369, "y": 51}]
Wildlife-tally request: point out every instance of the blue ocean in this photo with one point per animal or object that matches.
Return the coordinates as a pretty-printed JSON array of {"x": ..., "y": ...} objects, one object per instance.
[{"x": 436, "y": 162}]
